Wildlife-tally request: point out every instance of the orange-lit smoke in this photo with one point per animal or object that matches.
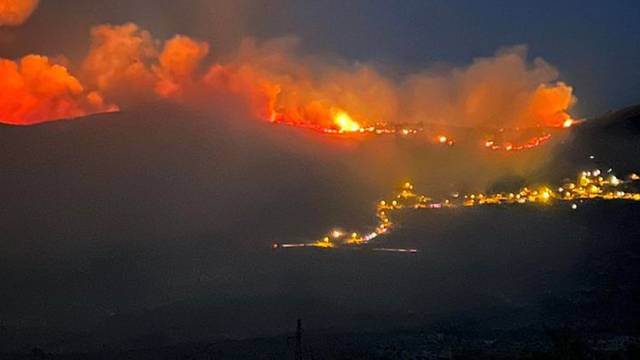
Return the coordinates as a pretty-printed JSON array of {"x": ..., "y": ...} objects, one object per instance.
[
  {"x": 284, "y": 86},
  {"x": 117, "y": 59},
  {"x": 34, "y": 90},
  {"x": 15, "y": 12},
  {"x": 503, "y": 91},
  {"x": 125, "y": 63},
  {"x": 177, "y": 64}
]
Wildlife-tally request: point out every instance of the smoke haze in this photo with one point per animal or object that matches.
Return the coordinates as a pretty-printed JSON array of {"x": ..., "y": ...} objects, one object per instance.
[
  {"x": 125, "y": 64},
  {"x": 15, "y": 12}
]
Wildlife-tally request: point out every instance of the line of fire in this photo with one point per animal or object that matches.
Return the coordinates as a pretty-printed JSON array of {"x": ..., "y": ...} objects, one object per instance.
[
  {"x": 498, "y": 139},
  {"x": 590, "y": 186}
]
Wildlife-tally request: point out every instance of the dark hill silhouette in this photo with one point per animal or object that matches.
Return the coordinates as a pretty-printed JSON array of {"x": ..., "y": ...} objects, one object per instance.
[
  {"x": 612, "y": 139},
  {"x": 152, "y": 227}
]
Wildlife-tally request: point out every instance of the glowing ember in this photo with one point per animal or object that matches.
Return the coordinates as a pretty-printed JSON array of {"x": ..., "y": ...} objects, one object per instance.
[
  {"x": 510, "y": 146},
  {"x": 567, "y": 123},
  {"x": 445, "y": 140}
]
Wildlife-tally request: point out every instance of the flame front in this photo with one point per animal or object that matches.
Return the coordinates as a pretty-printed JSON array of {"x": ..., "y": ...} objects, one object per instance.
[
  {"x": 568, "y": 123},
  {"x": 126, "y": 64},
  {"x": 345, "y": 123}
]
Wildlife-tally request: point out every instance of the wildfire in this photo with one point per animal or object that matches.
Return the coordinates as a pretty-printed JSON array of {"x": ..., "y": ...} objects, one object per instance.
[
  {"x": 345, "y": 123},
  {"x": 511, "y": 146},
  {"x": 567, "y": 123},
  {"x": 445, "y": 140},
  {"x": 589, "y": 186},
  {"x": 34, "y": 89},
  {"x": 126, "y": 65}
]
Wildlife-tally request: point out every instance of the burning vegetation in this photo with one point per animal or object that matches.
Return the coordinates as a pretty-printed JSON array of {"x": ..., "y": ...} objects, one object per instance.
[{"x": 126, "y": 64}]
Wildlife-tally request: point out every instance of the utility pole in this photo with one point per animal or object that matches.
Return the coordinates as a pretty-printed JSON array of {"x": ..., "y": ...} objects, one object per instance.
[{"x": 298, "y": 351}]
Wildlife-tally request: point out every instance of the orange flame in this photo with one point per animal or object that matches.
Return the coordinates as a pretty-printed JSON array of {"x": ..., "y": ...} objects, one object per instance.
[
  {"x": 568, "y": 123},
  {"x": 345, "y": 123},
  {"x": 126, "y": 64}
]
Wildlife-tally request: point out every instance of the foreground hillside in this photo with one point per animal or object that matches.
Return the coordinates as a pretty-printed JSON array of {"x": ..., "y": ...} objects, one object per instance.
[
  {"x": 130, "y": 235},
  {"x": 495, "y": 282}
]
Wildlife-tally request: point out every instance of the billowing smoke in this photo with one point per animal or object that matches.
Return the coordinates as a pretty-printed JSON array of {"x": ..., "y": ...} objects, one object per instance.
[
  {"x": 117, "y": 59},
  {"x": 34, "y": 89},
  {"x": 500, "y": 91},
  {"x": 126, "y": 64},
  {"x": 505, "y": 90},
  {"x": 180, "y": 58},
  {"x": 15, "y": 12}
]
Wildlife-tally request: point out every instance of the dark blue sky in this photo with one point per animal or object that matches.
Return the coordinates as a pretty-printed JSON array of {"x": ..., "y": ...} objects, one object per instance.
[{"x": 594, "y": 44}]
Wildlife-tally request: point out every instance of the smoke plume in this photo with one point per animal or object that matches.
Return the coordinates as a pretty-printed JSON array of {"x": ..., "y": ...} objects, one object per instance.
[
  {"x": 34, "y": 89},
  {"x": 15, "y": 12},
  {"x": 500, "y": 91},
  {"x": 126, "y": 64}
]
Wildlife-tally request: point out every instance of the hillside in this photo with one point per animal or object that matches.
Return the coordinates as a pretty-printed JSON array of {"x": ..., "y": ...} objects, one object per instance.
[{"x": 153, "y": 227}]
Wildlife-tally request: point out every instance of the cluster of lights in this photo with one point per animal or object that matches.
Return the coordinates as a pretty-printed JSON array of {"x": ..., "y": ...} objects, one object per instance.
[
  {"x": 341, "y": 239},
  {"x": 590, "y": 185}
]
